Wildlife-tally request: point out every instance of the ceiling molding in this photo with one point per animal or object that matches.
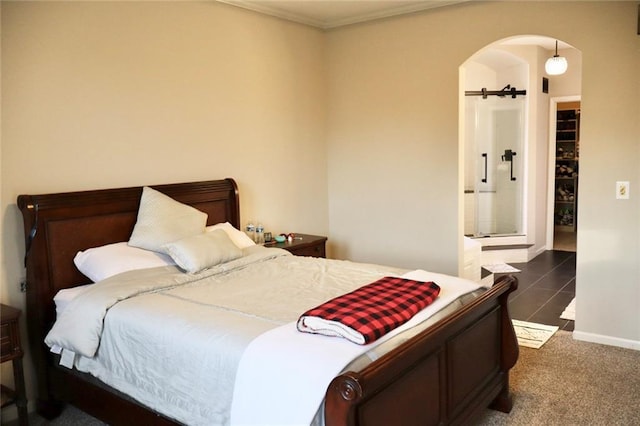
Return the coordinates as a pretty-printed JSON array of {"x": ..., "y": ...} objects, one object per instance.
[
  {"x": 265, "y": 8},
  {"x": 332, "y": 14}
]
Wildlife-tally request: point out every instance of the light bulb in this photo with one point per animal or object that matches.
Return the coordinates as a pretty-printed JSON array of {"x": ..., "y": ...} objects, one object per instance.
[{"x": 556, "y": 65}]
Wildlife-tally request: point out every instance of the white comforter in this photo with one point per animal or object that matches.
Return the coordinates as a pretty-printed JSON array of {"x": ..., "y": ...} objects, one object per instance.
[{"x": 174, "y": 341}]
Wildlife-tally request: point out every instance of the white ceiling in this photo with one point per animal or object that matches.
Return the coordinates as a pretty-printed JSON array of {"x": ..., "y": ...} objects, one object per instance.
[
  {"x": 328, "y": 14},
  {"x": 546, "y": 42}
]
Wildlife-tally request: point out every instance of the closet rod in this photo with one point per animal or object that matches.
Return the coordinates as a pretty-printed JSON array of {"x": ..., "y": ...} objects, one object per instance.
[{"x": 508, "y": 90}]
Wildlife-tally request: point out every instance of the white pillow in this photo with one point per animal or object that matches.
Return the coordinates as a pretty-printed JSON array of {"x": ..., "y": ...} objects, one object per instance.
[
  {"x": 193, "y": 254},
  {"x": 238, "y": 237},
  {"x": 161, "y": 219},
  {"x": 99, "y": 263}
]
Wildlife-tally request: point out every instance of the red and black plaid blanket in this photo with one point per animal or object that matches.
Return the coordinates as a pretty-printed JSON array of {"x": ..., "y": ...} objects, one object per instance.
[{"x": 368, "y": 313}]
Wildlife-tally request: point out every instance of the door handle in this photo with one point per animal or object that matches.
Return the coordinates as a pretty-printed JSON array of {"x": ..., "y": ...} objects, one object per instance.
[
  {"x": 508, "y": 156},
  {"x": 484, "y": 179}
]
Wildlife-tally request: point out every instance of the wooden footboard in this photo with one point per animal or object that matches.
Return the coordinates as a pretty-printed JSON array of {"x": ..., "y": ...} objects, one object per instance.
[{"x": 446, "y": 375}]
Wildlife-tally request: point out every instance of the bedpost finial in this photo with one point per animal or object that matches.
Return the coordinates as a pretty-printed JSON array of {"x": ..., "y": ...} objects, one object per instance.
[{"x": 348, "y": 387}]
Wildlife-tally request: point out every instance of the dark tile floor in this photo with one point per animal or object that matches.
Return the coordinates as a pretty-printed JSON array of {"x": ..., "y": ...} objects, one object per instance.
[{"x": 546, "y": 285}]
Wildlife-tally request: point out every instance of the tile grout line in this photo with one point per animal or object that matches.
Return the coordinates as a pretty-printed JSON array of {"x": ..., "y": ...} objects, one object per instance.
[
  {"x": 556, "y": 293},
  {"x": 541, "y": 277},
  {"x": 548, "y": 300}
]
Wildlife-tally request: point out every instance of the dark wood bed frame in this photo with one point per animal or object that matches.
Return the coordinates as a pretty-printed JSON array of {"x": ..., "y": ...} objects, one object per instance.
[{"x": 448, "y": 374}]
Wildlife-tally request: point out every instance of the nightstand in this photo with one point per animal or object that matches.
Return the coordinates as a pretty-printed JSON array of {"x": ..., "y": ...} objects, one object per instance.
[
  {"x": 11, "y": 350},
  {"x": 303, "y": 245}
]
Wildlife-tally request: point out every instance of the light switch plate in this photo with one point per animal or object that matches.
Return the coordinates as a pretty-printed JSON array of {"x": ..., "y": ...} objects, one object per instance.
[{"x": 622, "y": 190}]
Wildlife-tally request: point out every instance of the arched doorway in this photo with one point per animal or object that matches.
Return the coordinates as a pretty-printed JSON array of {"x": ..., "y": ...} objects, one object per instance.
[
  {"x": 515, "y": 61},
  {"x": 521, "y": 60}
]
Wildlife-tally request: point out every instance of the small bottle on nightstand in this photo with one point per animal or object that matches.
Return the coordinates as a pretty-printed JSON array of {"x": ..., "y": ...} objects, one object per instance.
[
  {"x": 259, "y": 234},
  {"x": 251, "y": 230}
]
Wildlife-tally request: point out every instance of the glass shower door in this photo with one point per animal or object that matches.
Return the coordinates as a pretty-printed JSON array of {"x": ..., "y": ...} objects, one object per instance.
[{"x": 496, "y": 155}]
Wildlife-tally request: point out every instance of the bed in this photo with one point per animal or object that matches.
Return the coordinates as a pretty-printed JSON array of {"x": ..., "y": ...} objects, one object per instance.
[{"x": 447, "y": 373}]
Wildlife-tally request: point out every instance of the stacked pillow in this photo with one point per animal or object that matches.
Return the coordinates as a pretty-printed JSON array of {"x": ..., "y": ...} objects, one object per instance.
[
  {"x": 198, "y": 252},
  {"x": 100, "y": 263},
  {"x": 166, "y": 232},
  {"x": 238, "y": 237},
  {"x": 161, "y": 220}
]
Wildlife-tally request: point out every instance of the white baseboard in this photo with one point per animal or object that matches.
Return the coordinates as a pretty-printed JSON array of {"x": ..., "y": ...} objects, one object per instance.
[
  {"x": 534, "y": 253},
  {"x": 607, "y": 340}
]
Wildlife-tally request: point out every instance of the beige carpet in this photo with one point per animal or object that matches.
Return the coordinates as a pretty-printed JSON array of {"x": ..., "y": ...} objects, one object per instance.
[{"x": 568, "y": 382}]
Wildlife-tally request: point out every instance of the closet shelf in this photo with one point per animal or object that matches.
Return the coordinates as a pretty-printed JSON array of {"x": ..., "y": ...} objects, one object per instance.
[{"x": 567, "y": 160}]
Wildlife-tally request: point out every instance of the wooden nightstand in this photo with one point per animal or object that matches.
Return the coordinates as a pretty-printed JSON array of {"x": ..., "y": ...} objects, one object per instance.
[
  {"x": 303, "y": 245},
  {"x": 11, "y": 350}
]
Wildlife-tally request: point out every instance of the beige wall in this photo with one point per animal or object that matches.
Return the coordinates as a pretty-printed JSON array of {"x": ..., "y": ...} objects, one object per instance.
[
  {"x": 115, "y": 94},
  {"x": 353, "y": 132},
  {"x": 107, "y": 94},
  {"x": 608, "y": 274},
  {"x": 569, "y": 83},
  {"x": 393, "y": 143}
]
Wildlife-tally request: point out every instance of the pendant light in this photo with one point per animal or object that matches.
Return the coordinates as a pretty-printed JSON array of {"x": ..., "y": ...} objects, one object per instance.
[{"x": 557, "y": 64}]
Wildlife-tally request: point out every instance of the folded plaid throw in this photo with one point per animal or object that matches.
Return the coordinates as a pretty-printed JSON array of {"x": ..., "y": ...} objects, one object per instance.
[{"x": 371, "y": 311}]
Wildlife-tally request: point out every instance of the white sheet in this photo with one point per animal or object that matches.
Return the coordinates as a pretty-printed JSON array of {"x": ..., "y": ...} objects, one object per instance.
[{"x": 304, "y": 364}]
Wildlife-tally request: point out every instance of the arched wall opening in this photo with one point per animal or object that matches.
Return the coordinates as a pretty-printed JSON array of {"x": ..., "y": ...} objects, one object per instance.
[{"x": 516, "y": 61}]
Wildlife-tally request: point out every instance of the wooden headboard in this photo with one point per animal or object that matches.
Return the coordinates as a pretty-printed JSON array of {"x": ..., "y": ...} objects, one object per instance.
[{"x": 57, "y": 226}]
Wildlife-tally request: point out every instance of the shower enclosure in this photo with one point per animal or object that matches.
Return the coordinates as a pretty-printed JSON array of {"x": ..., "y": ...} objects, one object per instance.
[{"x": 495, "y": 129}]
